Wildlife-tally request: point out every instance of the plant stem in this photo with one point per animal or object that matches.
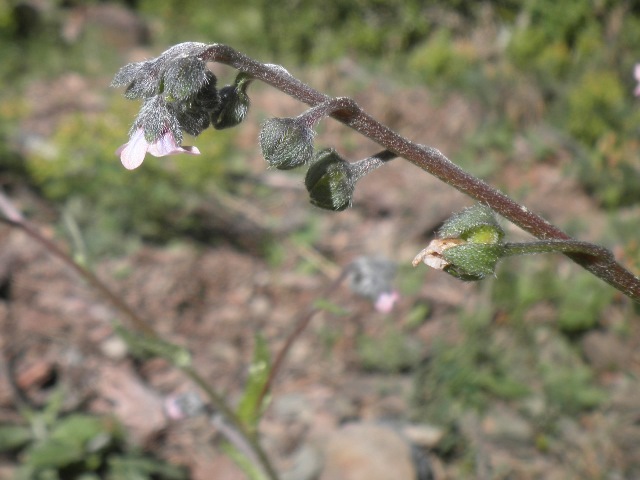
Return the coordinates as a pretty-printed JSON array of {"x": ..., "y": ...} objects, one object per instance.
[
  {"x": 431, "y": 160},
  {"x": 300, "y": 325},
  {"x": 556, "y": 246}
]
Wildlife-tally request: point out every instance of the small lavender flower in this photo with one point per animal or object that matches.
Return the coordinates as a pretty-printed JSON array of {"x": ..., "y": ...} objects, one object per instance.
[
  {"x": 372, "y": 277},
  {"x": 133, "y": 152},
  {"x": 183, "y": 405},
  {"x": 179, "y": 94}
]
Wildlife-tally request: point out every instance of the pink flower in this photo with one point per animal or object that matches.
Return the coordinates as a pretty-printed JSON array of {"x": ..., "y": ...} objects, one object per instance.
[
  {"x": 636, "y": 74},
  {"x": 132, "y": 153},
  {"x": 385, "y": 301}
]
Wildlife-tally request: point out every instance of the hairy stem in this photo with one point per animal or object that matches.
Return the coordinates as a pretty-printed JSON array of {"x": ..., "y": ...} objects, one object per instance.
[
  {"x": 556, "y": 246},
  {"x": 431, "y": 160}
]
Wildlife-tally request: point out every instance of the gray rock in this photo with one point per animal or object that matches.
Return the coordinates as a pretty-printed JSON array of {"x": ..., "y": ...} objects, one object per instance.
[{"x": 367, "y": 452}]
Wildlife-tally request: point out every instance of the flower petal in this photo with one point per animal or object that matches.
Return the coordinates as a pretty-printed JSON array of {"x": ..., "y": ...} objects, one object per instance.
[
  {"x": 167, "y": 145},
  {"x": 132, "y": 153},
  {"x": 385, "y": 301}
]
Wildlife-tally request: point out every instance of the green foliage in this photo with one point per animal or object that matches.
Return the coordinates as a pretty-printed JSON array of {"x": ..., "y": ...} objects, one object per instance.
[
  {"x": 567, "y": 383},
  {"x": 393, "y": 352},
  {"x": 594, "y": 105},
  {"x": 578, "y": 297},
  {"x": 544, "y": 43},
  {"x": 323, "y": 30},
  {"x": 77, "y": 446},
  {"x": 467, "y": 374},
  {"x": 441, "y": 61},
  {"x": 490, "y": 363},
  {"x": 610, "y": 171}
]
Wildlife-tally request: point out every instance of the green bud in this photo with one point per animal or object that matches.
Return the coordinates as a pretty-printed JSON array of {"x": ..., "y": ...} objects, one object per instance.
[
  {"x": 468, "y": 245},
  {"x": 476, "y": 224},
  {"x": 286, "y": 143},
  {"x": 330, "y": 181},
  {"x": 234, "y": 104},
  {"x": 472, "y": 261}
]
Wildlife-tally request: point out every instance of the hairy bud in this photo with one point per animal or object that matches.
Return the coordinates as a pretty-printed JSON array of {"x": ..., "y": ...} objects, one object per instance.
[
  {"x": 286, "y": 143},
  {"x": 234, "y": 104},
  {"x": 330, "y": 181},
  {"x": 468, "y": 245}
]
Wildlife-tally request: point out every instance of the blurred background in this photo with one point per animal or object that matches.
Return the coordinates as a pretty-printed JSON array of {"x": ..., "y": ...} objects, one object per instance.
[{"x": 531, "y": 374}]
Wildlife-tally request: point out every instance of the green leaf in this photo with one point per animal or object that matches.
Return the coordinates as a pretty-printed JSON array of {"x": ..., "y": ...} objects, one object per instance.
[
  {"x": 250, "y": 408},
  {"x": 54, "y": 453},
  {"x": 133, "y": 467},
  {"x": 13, "y": 437},
  {"x": 82, "y": 429},
  {"x": 72, "y": 440}
]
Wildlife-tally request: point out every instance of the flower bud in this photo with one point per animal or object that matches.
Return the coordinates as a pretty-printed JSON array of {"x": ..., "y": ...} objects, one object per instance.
[
  {"x": 193, "y": 113},
  {"x": 468, "y": 245},
  {"x": 472, "y": 261},
  {"x": 330, "y": 181},
  {"x": 172, "y": 68},
  {"x": 286, "y": 143},
  {"x": 234, "y": 104},
  {"x": 476, "y": 224}
]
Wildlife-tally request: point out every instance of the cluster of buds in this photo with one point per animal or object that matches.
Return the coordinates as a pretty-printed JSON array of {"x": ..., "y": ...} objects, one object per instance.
[
  {"x": 179, "y": 95},
  {"x": 287, "y": 143}
]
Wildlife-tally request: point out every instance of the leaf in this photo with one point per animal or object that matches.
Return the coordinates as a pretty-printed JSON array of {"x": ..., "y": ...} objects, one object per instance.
[
  {"x": 13, "y": 437},
  {"x": 83, "y": 429},
  {"x": 53, "y": 453},
  {"x": 133, "y": 467},
  {"x": 72, "y": 440},
  {"x": 249, "y": 408}
]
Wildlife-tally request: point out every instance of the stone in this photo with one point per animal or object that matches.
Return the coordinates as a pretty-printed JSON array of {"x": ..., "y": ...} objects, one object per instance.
[{"x": 363, "y": 451}]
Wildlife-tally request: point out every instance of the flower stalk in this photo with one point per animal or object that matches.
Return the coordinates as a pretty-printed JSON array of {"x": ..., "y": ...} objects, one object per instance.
[{"x": 430, "y": 160}]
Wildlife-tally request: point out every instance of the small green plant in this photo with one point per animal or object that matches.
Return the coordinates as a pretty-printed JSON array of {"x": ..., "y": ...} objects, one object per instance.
[{"x": 52, "y": 446}]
